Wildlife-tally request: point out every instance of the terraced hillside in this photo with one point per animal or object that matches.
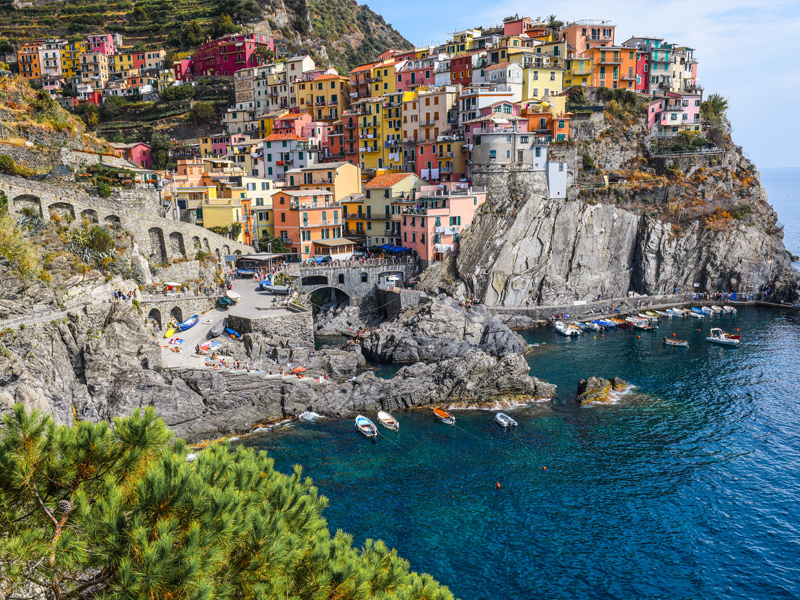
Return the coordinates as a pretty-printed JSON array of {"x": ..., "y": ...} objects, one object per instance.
[{"x": 337, "y": 33}]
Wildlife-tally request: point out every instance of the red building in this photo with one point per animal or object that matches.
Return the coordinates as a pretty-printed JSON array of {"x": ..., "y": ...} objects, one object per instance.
[
  {"x": 333, "y": 147},
  {"x": 227, "y": 55},
  {"x": 461, "y": 68},
  {"x": 642, "y": 74},
  {"x": 350, "y": 138}
]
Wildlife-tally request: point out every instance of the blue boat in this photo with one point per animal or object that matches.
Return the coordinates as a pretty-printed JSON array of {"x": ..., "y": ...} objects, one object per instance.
[
  {"x": 233, "y": 333},
  {"x": 609, "y": 324},
  {"x": 188, "y": 323},
  {"x": 225, "y": 301},
  {"x": 697, "y": 311}
]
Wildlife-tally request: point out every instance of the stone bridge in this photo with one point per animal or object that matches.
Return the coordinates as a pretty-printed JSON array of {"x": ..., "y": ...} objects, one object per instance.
[
  {"x": 160, "y": 240},
  {"x": 162, "y": 309},
  {"x": 354, "y": 280}
]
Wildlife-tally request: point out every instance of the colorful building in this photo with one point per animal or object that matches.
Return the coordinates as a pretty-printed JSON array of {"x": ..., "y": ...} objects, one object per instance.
[
  {"x": 614, "y": 67},
  {"x": 383, "y": 197},
  {"x": 380, "y": 145},
  {"x": 330, "y": 95},
  {"x": 285, "y": 151},
  {"x": 137, "y": 153},
  {"x": 309, "y": 223},
  {"x": 227, "y": 55},
  {"x": 28, "y": 60},
  {"x": 71, "y": 59},
  {"x": 341, "y": 179},
  {"x": 588, "y": 33},
  {"x": 95, "y": 69}
]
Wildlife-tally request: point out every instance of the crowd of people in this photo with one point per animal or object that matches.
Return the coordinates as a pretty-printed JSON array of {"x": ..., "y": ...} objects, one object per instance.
[{"x": 127, "y": 296}]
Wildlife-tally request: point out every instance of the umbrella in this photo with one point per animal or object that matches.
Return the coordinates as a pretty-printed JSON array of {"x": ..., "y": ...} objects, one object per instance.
[
  {"x": 173, "y": 284},
  {"x": 298, "y": 370}
]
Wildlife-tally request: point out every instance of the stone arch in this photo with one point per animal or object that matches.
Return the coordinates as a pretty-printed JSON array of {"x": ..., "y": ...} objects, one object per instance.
[
  {"x": 113, "y": 221},
  {"x": 61, "y": 210},
  {"x": 226, "y": 250},
  {"x": 219, "y": 254},
  {"x": 206, "y": 245},
  {"x": 364, "y": 278},
  {"x": 314, "y": 280},
  {"x": 155, "y": 315},
  {"x": 237, "y": 252},
  {"x": 176, "y": 246},
  {"x": 177, "y": 314},
  {"x": 326, "y": 293},
  {"x": 28, "y": 201},
  {"x": 158, "y": 249},
  {"x": 340, "y": 278},
  {"x": 89, "y": 215},
  {"x": 196, "y": 242}
]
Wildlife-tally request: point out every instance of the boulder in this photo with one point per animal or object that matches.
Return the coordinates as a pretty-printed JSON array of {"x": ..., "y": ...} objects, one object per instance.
[{"x": 597, "y": 389}]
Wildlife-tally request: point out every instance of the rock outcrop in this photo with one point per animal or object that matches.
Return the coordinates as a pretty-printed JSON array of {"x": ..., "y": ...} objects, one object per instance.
[
  {"x": 440, "y": 330},
  {"x": 597, "y": 389}
]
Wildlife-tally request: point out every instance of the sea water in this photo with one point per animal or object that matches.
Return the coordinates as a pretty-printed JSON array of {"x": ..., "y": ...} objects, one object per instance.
[{"x": 686, "y": 486}]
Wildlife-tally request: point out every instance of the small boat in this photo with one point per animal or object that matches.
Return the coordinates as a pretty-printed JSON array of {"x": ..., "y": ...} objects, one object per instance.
[
  {"x": 648, "y": 317},
  {"x": 388, "y": 421},
  {"x": 169, "y": 332},
  {"x": 579, "y": 325},
  {"x": 620, "y": 322},
  {"x": 717, "y": 336},
  {"x": 677, "y": 311},
  {"x": 274, "y": 289},
  {"x": 575, "y": 327},
  {"x": 504, "y": 420},
  {"x": 696, "y": 313},
  {"x": 662, "y": 313},
  {"x": 233, "y": 295},
  {"x": 707, "y": 310},
  {"x": 367, "y": 427},
  {"x": 233, "y": 333},
  {"x": 652, "y": 314},
  {"x": 644, "y": 324},
  {"x": 729, "y": 309},
  {"x": 716, "y": 309},
  {"x": 593, "y": 326},
  {"x": 564, "y": 329},
  {"x": 676, "y": 343},
  {"x": 225, "y": 301},
  {"x": 444, "y": 416},
  {"x": 217, "y": 329},
  {"x": 189, "y": 323},
  {"x": 605, "y": 323}
]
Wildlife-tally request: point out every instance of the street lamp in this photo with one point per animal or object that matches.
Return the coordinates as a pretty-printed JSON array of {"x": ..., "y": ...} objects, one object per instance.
[{"x": 269, "y": 251}]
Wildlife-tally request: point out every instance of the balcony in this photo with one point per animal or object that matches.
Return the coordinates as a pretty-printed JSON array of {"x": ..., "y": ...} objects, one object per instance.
[{"x": 427, "y": 123}]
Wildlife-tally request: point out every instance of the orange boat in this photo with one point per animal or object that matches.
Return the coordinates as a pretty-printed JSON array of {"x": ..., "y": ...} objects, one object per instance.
[{"x": 444, "y": 416}]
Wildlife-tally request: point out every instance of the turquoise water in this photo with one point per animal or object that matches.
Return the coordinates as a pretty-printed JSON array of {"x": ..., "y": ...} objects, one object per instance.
[{"x": 685, "y": 488}]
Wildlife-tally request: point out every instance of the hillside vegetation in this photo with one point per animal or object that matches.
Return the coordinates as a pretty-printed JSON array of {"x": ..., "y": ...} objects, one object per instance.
[{"x": 336, "y": 32}]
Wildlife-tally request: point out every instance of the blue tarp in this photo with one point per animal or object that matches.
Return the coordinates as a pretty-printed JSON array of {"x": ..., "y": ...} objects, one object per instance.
[
  {"x": 399, "y": 249},
  {"x": 387, "y": 247}
]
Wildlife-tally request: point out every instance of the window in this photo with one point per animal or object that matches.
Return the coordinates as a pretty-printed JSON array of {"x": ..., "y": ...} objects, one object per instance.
[
  {"x": 283, "y": 216},
  {"x": 560, "y": 167},
  {"x": 455, "y": 221},
  {"x": 492, "y": 153},
  {"x": 523, "y": 139}
]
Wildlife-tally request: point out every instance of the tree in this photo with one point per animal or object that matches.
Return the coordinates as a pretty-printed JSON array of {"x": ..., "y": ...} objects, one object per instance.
[
  {"x": 160, "y": 147},
  {"x": 236, "y": 230},
  {"x": 202, "y": 113},
  {"x": 112, "y": 108},
  {"x": 223, "y": 25},
  {"x": 267, "y": 241},
  {"x": 265, "y": 55},
  {"x": 175, "y": 93},
  {"x": 89, "y": 113},
  {"x": 714, "y": 113},
  {"x": 553, "y": 22}
]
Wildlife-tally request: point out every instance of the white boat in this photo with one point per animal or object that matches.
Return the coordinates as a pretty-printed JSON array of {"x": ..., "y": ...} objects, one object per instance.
[
  {"x": 678, "y": 311},
  {"x": 729, "y": 309},
  {"x": 695, "y": 315},
  {"x": 716, "y": 309},
  {"x": 444, "y": 416},
  {"x": 644, "y": 324},
  {"x": 564, "y": 329},
  {"x": 717, "y": 336},
  {"x": 593, "y": 326},
  {"x": 648, "y": 317},
  {"x": 504, "y": 420},
  {"x": 367, "y": 427},
  {"x": 662, "y": 313},
  {"x": 706, "y": 309},
  {"x": 676, "y": 343},
  {"x": 233, "y": 295},
  {"x": 388, "y": 421}
]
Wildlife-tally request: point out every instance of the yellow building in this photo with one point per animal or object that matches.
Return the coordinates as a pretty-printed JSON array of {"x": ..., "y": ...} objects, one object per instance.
[
  {"x": 578, "y": 71},
  {"x": 325, "y": 97},
  {"x": 191, "y": 198},
  {"x": 267, "y": 121},
  {"x": 383, "y": 78},
  {"x": 123, "y": 63},
  {"x": 242, "y": 153},
  {"x": 462, "y": 41},
  {"x": 71, "y": 59},
  {"x": 165, "y": 79},
  {"x": 224, "y": 212},
  {"x": 380, "y": 146},
  {"x": 379, "y": 194},
  {"x": 341, "y": 178},
  {"x": 538, "y": 82}
]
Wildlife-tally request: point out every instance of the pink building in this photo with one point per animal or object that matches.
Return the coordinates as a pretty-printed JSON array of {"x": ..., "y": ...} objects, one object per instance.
[
  {"x": 516, "y": 26},
  {"x": 227, "y": 55},
  {"x": 137, "y": 153},
  {"x": 414, "y": 73},
  {"x": 292, "y": 123},
  {"x": 642, "y": 70},
  {"x": 432, "y": 223},
  {"x": 675, "y": 112},
  {"x": 183, "y": 69},
  {"x": 105, "y": 43}
]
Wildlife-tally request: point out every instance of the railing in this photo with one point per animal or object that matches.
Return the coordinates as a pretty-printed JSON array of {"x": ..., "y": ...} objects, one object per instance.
[{"x": 367, "y": 262}]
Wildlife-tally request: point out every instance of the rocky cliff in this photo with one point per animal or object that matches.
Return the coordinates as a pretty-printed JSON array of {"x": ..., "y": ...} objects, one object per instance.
[{"x": 662, "y": 222}]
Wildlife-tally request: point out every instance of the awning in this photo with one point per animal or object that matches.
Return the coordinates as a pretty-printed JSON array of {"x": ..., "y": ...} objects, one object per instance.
[
  {"x": 387, "y": 247},
  {"x": 399, "y": 249}
]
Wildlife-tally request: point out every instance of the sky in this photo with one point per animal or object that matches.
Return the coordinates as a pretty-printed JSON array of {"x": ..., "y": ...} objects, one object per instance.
[{"x": 737, "y": 44}]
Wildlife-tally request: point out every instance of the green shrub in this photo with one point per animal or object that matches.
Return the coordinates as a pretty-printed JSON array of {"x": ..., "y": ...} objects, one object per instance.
[
  {"x": 678, "y": 148},
  {"x": 103, "y": 189}
]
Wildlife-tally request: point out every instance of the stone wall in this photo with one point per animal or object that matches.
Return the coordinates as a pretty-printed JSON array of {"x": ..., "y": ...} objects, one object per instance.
[
  {"x": 43, "y": 159},
  {"x": 356, "y": 281},
  {"x": 179, "y": 309},
  {"x": 395, "y": 302},
  {"x": 191, "y": 270},
  {"x": 298, "y": 327},
  {"x": 160, "y": 240}
]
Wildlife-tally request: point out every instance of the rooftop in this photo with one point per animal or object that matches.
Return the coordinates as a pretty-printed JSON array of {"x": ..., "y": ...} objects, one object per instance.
[
  {"x": 386, "y": 180},
  {"x": 301, "y": 193},
  {"x": 277, "y": 137},
  {"x": 334, "y": 242}
]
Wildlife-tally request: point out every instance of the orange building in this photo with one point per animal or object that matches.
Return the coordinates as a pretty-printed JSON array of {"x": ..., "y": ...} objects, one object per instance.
[
  {"x": 614, "y": 67},
  {"x": 310, "y": 223},
  {"x": 28, "y": 57}
]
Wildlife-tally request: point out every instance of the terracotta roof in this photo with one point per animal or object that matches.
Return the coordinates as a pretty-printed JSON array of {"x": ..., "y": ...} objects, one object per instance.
[
  {"x": 292, "y": 116},
  {"x": 387, "y": 180},
  {"x": 366, "y": 67},
  {"x": 284, "y": 136},
  {"x": 327, "y": 77}
]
